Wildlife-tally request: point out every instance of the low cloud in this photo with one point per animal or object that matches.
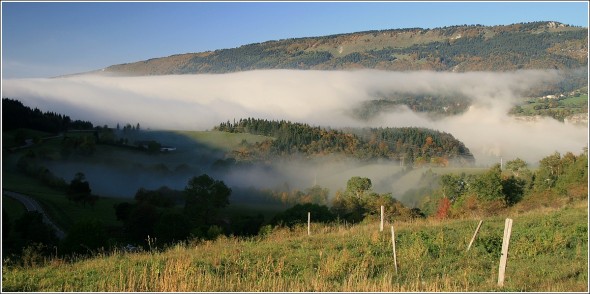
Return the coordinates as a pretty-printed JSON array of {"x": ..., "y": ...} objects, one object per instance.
[{"x": 325, "y": 98}]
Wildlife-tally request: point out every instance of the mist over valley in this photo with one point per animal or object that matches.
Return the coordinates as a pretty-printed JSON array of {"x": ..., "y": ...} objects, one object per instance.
[
  {"x": 327, "y": 99},
  {"x": 273, "y": 162},
  {"x": 320, "y": 98}
]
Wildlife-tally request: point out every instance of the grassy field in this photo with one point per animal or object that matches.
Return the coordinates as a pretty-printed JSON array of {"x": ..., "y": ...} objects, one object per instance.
[
  {"x": 576, "y": 101},
  {"x": 548, "y": 252},
  {"x": 8, "y": 137},
  {"x": 431, "y": 254},
  {"x": 55, "y": 203},
  {"x": 222, "y": 140},
  {"x": 576, "y": 104}
]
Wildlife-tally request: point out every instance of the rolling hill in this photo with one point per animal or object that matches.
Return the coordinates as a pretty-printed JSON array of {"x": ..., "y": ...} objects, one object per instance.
[{"x": 463, "y": 48}]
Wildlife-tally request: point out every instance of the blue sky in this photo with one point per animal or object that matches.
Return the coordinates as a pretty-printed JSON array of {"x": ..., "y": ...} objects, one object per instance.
[{"x": 50, "y": 39}]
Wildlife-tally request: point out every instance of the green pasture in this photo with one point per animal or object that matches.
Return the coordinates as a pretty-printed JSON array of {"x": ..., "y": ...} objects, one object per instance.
[
  {"x": 576, "y": 101},
  {"x": 222, "y": 140}
]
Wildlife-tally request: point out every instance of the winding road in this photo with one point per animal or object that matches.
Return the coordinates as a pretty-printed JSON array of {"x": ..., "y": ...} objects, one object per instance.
[{"x": 32, "y": 205}]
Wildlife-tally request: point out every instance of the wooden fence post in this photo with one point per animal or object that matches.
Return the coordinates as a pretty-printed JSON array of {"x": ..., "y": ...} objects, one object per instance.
[
  {"x": 381, "y": 225},
  {"x": 503, "y": 258},
  {"x": 474, "y": 235},
  {"x": 393, "y": 245},
  {"x": 308, "y": 223}
]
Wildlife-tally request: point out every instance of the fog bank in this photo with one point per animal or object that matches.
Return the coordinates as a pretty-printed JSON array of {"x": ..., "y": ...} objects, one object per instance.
[{"x": 199, "y": 102}]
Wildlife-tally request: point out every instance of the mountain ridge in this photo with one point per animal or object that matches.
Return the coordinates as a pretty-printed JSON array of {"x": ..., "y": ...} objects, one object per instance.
[{"x": 460, "y": 48}]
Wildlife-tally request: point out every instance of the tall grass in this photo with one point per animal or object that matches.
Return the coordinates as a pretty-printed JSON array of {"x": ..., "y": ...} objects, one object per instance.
[{"x": 548, "y": 252}]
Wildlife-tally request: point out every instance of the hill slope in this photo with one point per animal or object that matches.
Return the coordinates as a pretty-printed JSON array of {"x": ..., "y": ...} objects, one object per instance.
[
  {"x": 431, "y": 257},
  {"x": 415, "y": 145},
  {"x": 536, "y": 45}
]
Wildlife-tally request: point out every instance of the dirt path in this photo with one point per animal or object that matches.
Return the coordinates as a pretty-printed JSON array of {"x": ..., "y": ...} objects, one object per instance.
[{"x": 32, "y": 205}]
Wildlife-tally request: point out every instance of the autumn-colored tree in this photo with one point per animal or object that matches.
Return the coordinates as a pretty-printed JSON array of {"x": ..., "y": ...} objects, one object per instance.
[
  {"x": 444, "y": 208},
  {"x": 317, "y": 195}
]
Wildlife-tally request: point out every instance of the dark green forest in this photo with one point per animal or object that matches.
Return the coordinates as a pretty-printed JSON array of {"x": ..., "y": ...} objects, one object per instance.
[{"x": 15, "y": 115}]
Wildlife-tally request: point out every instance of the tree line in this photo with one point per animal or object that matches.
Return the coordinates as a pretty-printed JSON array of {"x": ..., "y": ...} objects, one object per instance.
[
  {"x": 559, "y": 178},
  {"x": 155, "y": 220},
  {"x": 15, "y": 115}
]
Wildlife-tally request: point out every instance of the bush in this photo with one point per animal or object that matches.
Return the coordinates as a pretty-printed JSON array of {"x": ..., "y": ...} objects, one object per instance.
[
  {"x": 141, "y": 222},
  {"x": 298, "y": 215},
  {"x": 265, "y": 231},
  {"x": 33, "y": 255},
  {"x": 213, "y": 232},
  {"x": 171, "y": 227},
  {"x": 85, "y": 237},
  {"x": 247, "y": 225},
  {"x": 30, "y": 228}
]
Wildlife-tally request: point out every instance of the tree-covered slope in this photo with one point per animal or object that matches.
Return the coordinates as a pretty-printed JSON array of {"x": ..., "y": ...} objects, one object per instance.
[
  {"x": 15, "y": 115},
  {"x": 413, "y": 145},
  {"x": 536, "y": 45}
]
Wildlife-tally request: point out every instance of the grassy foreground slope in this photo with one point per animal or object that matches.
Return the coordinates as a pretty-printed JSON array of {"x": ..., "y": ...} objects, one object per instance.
[{"x": 548, "y": 252}]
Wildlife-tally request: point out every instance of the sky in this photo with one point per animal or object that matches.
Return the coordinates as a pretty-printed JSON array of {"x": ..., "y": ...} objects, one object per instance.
[{"x": 58, "y": 38}]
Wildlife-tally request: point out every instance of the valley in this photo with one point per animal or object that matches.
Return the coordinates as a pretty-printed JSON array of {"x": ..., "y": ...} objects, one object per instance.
[{"x": 269, "y": 166}]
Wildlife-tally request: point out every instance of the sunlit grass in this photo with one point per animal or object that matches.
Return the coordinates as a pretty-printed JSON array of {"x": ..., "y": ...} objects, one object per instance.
[
  {"x": 576, "y": 101},
  {"x": 548, "y": 252},
  {"x": 222, "y": 140}
]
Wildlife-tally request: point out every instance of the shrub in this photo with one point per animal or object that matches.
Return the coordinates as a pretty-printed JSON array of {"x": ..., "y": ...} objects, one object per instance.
[
  {"x": 265, "y": 231},
  {"x": 298, "y": 215},
  {"x": 213, "y": 232},
  {"x": 171, "y": 227},
  {"x": 85, "y": 237},
  {"x": 246, "y": 225}
]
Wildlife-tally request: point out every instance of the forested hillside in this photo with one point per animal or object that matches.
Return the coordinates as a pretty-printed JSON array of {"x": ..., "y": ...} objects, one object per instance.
[
  {"x": 544, "y": 45},
  {"x": 417, "y": 145},
  {"x": 536, "y": 45},
  {"x": 15, "y": 115},
  {"x": 435, "y": 106}
]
